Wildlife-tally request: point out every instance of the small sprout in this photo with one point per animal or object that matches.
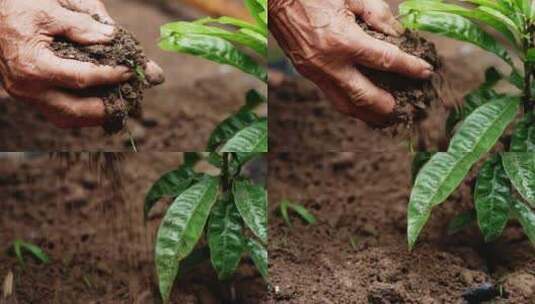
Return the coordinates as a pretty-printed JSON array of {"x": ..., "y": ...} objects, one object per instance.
[
  {"x": 354, "y": 241},
  {"x": 140, "y": 73},
  {"x": 19, "y": 246},
  {"x": 87, "y": 282},
  {"x": 297, "y": 208}
]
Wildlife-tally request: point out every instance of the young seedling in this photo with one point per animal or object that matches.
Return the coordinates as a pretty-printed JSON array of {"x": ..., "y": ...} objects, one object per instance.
[
  {"x": 484, "y": 119},
  {"x": 210, "y": 38},
  {"x": 19, "y": 247},
  {"x": 297, "y": 208},
  {"x": 215, "y": 209}
]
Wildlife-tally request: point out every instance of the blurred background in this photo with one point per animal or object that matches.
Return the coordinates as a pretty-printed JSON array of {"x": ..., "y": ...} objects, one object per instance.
[
  {"x": 85, "y": 211},
  {"x": 301, "y": 119},
  {"x": 178, "y": 116}
]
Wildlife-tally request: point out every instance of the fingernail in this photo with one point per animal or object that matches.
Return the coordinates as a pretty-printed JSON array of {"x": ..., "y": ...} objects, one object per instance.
[
  {"x": 426, "y": 64},
  {"x": 398, "y": 28},
  {"x": 107, "y": 30},
  {"x": 427, "y": 73}
]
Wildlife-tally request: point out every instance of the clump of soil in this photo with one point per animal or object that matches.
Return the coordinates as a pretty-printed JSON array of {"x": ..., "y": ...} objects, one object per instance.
[
  {"x": 413, "y": 96},
  {"x": 123, "y": 100}
]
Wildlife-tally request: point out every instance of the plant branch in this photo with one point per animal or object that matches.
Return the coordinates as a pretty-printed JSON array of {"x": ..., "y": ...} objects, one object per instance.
[{"x": 225, "y": 174}]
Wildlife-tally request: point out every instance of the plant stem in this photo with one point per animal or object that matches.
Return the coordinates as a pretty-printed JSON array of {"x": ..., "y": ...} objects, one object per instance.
[
  {"x": 225, "y": 174},
  {"x": 528, "y": 73}
]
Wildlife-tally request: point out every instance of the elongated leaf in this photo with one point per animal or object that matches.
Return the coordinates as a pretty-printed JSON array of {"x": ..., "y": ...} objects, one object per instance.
[
  {"x": 456, "y": 27},
  {"x": 436, "y": 181},
  {"x": 492, "y": 196},
  {"x": 523, "y": 137},
  {"x": 475, "y": 99},
  {"x": 19, "y": 246},
  {"x": 234, "y": 22},
  {"x": 182, "y": 28},
  {"x": 445, "y": 171},
  {"x": 225, "y": 238},
  {"x": 251, "y": 201},
  {"x": 481, "y": 130},
  {"x": 181, "y": 228},
  {"x": 259, "y": 255},
  {"x": 526, "y": 217},
  {"x": 229, "y": 127},
  {"x": 461, "y": 221},
  {"x": 253, "y": 138},
  {"x": 170, "y": 184},
  {"x": 520, "y": 168},
  {"x": 419, "y": 160},
  {"x": 215, "y": 49},
  {"x": 297, "y": 208},
  {"x": 257, "y": 10},
  {"x": 502, "y": 26}
]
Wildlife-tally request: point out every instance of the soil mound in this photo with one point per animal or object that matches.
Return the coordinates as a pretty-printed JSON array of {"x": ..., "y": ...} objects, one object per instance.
[
  {"x": 121, "y": 101},
  {"x": 413, "y": 96}
]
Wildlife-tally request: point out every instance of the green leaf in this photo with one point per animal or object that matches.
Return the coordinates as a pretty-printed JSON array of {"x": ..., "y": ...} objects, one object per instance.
[
  {"x": 215, "y": 49},
  {"x": 461, "y": 221},
  {"x": 234, "y": 22},
  {"x": 185, "y": 29},
  {"x": 523, "y": 137},
  {"x": 436, "y": 181},
  {"x": 181, "y": 229},
  {"x": 19, "y": 246},
  {"x": 229, "y": 127},
  {"x": 520, "y": 168},
  {"x": 225, "y": 238},
  {"x": 419, "y": 160},
  {"x": 456, "y": 27},
  {"x": 171, "y": 184},
  {"x": 445, "y": 171},
  {"x": 481, "y": 130},
  {"x": 251, "y": 201},
  {"x": 475, "y": 99},
  {"x": 259, "y": 255},
  {"x": 526, "y": 217},
  {"x": 253, "y": 138},
  {"x": 299, "y": 209},
  {"x": 257, "y": 10},
  {"x": 493, "y": 19},
  {"x": 492, "y": 195}
]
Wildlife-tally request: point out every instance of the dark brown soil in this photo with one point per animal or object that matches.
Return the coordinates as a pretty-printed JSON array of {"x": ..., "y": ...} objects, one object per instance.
[
  {"x": 357, "y": 251},
  {"x": 121, "y": 101},
  {"x": 93, "y": 230},
  {"x": 178, "y": 115},
  {"x": 413, "y": 96}
]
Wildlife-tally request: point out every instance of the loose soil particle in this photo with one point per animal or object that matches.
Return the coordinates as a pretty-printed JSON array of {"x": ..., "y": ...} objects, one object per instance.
[
  {"x": 123, "y": 100},
  {"x": 357, "y": 252},
  {"x": 413, "y": 96}
]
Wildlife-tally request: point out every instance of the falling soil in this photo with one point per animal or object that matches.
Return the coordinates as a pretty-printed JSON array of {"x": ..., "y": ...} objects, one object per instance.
[
  {"x": 413, "y": 96},
  {"x": 100, "y": 247},
  {"x": 120, "y": 101}
]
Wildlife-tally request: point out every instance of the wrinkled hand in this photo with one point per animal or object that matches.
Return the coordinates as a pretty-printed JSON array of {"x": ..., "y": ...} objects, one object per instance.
[
  {"x": 32, "y": 72},
  {"x": 325, "y": 43}
]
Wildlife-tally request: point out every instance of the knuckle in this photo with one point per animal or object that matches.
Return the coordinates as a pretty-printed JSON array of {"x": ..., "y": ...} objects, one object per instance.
[
  {"x": 360, "y": 98},
  {"x": 388, "y": 57},
  {"x": 79, "y": 81}
]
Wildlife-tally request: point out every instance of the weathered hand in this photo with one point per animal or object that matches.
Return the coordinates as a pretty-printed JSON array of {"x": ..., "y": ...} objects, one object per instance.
[
  {"x": 32, "y": 72},
  {"x": 324, "y": 42}
]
